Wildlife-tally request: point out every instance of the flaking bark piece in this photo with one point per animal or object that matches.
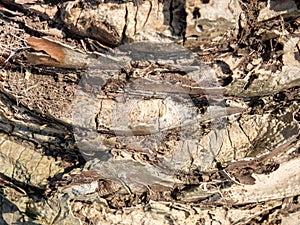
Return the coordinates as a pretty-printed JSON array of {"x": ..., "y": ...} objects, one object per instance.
[
  {"x": 284, "y": 182},
  {"x": 58, "y": 55},
  {"x": 133, "y": 175}
]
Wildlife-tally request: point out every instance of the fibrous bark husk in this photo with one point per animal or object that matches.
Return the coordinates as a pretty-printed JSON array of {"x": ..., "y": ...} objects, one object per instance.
[{"x": 143, "y": 112}]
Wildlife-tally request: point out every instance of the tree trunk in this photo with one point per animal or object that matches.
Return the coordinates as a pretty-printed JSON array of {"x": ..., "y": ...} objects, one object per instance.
[{"x": 168, "y": 112}]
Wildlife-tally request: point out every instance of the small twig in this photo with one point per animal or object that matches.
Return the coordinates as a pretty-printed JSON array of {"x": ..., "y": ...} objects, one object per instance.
[
  {"x": 15, "y": 36},
  {"x": 14, "y": 52},
  {"x": 125, "y": 186},
  {"x": 4, "y": 9},
  {"x": 225, "y": 174}
]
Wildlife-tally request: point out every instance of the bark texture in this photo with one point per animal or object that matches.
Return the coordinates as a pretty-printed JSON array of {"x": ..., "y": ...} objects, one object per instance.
[{"x": 149, "y": 112}]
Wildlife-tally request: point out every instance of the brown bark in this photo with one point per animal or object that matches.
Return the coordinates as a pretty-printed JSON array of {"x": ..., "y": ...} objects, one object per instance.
[{"x": 169, "y": 112}]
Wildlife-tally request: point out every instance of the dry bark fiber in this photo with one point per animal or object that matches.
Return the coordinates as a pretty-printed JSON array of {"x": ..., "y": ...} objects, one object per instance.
[{"x": 149, "y": 112}]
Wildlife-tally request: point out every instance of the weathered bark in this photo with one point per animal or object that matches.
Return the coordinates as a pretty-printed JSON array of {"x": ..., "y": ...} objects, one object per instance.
[{"x": 169, "y": 112}]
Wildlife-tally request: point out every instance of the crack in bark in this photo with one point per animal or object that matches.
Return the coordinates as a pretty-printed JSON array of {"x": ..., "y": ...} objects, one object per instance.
[{"x": 148, "y": 14}]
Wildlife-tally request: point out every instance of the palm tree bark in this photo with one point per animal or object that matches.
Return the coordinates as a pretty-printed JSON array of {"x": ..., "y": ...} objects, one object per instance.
[{"x": 149, "y": 111}]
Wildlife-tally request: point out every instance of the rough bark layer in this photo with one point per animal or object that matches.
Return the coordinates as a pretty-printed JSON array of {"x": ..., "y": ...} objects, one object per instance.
[{"x": 145, "y": 112}]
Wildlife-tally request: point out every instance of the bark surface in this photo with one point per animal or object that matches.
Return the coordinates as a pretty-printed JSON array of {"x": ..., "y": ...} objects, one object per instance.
[{"x": 149, "y": 112}]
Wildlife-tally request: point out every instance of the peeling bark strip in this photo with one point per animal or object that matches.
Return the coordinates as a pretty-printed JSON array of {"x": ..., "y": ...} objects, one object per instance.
[
  {"x": 180, "y": 149},
  {"x": 55, "y": 50},
  {"x": 59, "y": 55}
]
